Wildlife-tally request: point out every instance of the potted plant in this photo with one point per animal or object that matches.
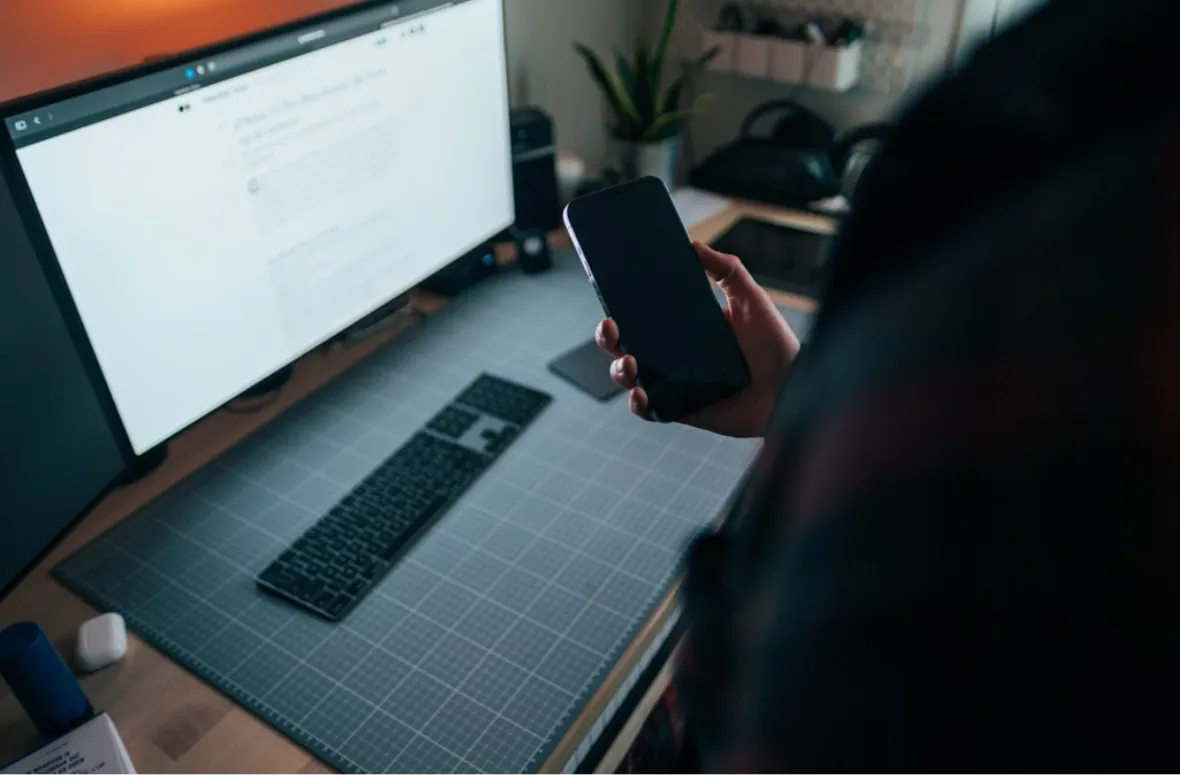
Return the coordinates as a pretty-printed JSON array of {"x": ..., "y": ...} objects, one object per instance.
[{"x": 646, "y": 119}]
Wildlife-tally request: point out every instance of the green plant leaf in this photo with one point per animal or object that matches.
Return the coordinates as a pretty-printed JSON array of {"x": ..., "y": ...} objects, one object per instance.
[
  {"x": 644, "y": 95},
  {"x": 616, "y": 95},
  {"x": 702, "y": 102},
  {"x": 626, "y": 72},
  {"x": 672, "y": 121},
  {"x": 661, "y": 55},
  {"x": 666, "y": 126},
  {"x": 704, "y": 59},
  {"x": 676, "y": 90},
  {"x": 627, "y": 79}
]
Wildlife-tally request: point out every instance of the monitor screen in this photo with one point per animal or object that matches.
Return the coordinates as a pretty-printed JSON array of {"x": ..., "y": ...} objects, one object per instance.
[{"x": 218, "y": 219}]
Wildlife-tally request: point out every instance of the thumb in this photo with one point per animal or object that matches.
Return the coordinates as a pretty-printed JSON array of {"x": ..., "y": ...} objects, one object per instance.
[{"x": 727, "y": 271}]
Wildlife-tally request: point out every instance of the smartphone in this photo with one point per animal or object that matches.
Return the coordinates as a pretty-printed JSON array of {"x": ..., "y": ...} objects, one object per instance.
[{"x": 640, "y": 260}]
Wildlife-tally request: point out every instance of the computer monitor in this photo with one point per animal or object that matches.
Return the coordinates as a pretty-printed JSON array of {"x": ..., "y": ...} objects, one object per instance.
[{"x": 213, "y": 218}]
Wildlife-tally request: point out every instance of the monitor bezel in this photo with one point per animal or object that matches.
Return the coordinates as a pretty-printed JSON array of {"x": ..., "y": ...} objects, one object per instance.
[{"x": 14, "y": 177}]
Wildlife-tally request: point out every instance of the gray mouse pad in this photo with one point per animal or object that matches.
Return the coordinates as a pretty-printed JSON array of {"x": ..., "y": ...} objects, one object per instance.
[{"x": 587, "y": 368}]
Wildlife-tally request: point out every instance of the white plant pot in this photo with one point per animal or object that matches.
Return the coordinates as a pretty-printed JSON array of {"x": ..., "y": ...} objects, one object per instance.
[{"x": 657, "y": 160}]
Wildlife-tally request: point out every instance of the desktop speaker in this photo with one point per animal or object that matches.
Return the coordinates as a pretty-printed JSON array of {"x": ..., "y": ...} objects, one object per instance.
[
  {"x": 532, "y": 251},
  {"x": 534, "y": 169}
]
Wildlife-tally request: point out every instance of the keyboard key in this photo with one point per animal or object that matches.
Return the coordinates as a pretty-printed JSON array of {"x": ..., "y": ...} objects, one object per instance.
[
  {"x": 505, "y": 400},
  {"x": 338, "y": 604},
  {"x": 453, "y": 422}
]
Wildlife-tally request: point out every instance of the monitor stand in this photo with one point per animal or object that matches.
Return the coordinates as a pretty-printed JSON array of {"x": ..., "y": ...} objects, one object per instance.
[
  {"x": 142, "y": 466},
  {"x": 271, "y": 384},
  {"x": 371, "y": 325}
]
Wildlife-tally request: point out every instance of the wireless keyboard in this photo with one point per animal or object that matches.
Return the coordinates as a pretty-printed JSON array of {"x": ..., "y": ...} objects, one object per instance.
[{"x": 332, "y": 566}]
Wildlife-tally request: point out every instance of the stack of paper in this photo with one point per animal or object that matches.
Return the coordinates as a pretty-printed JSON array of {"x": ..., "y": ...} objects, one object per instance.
[
  {"x": 94, "y": 747},
  {"x": 695, "y": 205}
]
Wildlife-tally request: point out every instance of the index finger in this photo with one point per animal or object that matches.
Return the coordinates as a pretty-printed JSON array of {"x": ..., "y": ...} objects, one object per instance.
[
  {"x": 607, "y": 338},
  {"x": 725, "y": 269}
]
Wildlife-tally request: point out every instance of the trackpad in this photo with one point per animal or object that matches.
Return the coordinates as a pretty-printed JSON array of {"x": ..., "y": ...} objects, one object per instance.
[{"x": 587, "y": 368}]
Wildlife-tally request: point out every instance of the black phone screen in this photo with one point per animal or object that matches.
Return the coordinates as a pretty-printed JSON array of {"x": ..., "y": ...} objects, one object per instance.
[{"x": 651, "y": 282}]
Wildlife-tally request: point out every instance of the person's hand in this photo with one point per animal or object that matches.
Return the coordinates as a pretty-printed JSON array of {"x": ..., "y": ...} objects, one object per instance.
[{"x": 766, "y": 341}]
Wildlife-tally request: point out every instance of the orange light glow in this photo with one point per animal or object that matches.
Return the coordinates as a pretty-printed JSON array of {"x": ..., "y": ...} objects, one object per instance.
[
  {"x": 45, "y": 43},
  {"x": 135, "y": 12}
]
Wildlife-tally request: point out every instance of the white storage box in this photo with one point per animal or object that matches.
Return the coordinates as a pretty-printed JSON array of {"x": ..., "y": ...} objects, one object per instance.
[
  {"x": 836, "y": 68},
  {"x": 753, "y": 55},
  {"x": 832, "y": 68},
  {"x": 787, "y": 59}
]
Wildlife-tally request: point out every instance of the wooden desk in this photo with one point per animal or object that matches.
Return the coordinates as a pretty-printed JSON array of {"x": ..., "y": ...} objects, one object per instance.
[{"x": 170, "y": 720}]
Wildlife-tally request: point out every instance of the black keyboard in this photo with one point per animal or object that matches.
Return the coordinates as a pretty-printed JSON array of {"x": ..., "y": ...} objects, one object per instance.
[{"x": 332, "y": 566}]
